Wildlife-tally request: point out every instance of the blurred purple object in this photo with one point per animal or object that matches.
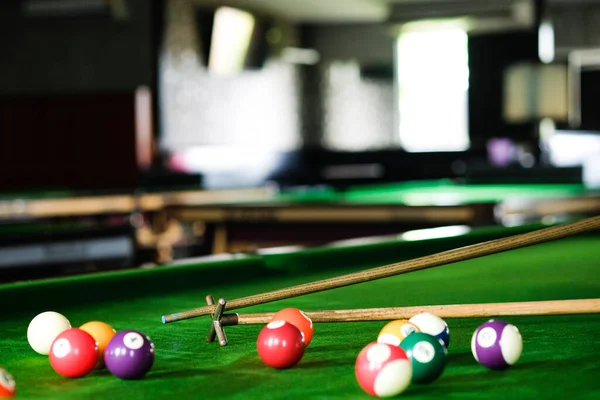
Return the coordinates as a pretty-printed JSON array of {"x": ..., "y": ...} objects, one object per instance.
[{"x": 501, "y": 151}]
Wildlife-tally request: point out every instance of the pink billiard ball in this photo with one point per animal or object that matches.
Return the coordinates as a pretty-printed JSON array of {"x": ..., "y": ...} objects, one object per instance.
[
  {"x": 383, "y": 370},
  {"x": 73, "y": 353},
  {"x": 280, "y": 344}
]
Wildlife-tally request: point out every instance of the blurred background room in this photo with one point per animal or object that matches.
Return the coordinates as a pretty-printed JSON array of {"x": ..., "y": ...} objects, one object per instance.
[{"x": 139, "y": 133}]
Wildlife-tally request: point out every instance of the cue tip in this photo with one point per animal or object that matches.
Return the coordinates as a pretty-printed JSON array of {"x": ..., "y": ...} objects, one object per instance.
[{"x": 169, "y": 318}]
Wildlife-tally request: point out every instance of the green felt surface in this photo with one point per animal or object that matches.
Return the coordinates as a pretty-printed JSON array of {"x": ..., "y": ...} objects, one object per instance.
[
  {"x": 559, "y": 359},
  {"x": 424, "y": 192},
  {"x": 435, "y": 192},
  {"x": 444, "y": 192}
]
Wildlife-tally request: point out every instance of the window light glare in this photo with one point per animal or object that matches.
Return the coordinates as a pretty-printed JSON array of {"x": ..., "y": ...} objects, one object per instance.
[
  {"x": 546, "y": 42},
  {"x": 435, "y": 233},
  {"x": 232, "y": 32}
]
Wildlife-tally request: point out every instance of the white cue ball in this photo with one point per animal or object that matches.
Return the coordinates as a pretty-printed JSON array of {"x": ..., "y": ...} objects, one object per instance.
[{"x": 44, "y": 328}]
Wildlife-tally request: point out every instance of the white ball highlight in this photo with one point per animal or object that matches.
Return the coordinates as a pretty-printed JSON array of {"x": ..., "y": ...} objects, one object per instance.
[
  {"x": 423, "y": 352},
  {"x": 276, "y": 324},
  {"x": 473, "y": 345},
  {"x": 486, "y": 337},
  {"x": 511, "y": 344},
  {"x": 379, "y": 353},
  {"x": 393, "y": 379},
  {"x": 389, "y": 339}
]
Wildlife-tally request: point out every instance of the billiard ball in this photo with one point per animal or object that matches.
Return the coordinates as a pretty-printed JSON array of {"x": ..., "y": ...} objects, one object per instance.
[
  {"x": 44, "y": 328},
  {"x": 129, "y": 355},
  {"x": 427, "y": 354},
  {"x": 396, "y": 331},
  {"x": 8, "y": 387},
  {"x": 383, "y": 370},
  {"x": 497, "y": 344},
  {"x": 74, "y": 353},
  {"x": 102, "y": 333},
  {"x": 280, "y": 344},
  {"x": 433, "y": 325},
  {"x": 299, "y": 319}
]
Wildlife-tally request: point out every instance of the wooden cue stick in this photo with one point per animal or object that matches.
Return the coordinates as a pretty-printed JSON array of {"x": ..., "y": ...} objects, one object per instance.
[
  {"x": 434, "y": 260},
  {"x": 548, "y": 307}
]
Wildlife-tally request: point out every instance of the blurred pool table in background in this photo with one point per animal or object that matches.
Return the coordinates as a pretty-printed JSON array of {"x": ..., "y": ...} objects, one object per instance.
[
  {"x": 56, "y": 204},
  {"x": 44, "y": 231},
  {"x": 318, "y": 215},
  {"x": 559, "y": 358},
  {"x": 158, "y": 227}
]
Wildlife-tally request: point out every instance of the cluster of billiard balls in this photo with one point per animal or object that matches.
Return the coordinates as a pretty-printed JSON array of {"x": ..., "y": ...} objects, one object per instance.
[
  {"x": 416, "y": 351},
  {"x": 283, "y": 341},
  {"x": 76, "y": 352}
]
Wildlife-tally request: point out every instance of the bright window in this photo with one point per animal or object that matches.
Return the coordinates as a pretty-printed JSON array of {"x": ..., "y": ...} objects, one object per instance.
[{"x": 433, "y": 83}]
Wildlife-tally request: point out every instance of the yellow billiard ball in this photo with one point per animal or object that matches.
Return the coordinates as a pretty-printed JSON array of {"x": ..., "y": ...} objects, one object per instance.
[{"x": 396, "y": 331}]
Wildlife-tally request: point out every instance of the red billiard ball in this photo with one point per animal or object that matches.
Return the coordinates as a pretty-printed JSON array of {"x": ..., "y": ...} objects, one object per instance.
[
  {"x": 299, "y": 319},
  {"x": 7, "y": 384},
  {"x": 280, "y": 344},
  {"x": 74, "y": 353}
]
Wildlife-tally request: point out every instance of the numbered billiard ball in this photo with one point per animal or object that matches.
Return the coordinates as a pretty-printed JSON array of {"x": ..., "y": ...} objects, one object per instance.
[
  {"x": 497, "y": 344},
  {"x": 44, "y": 328},
  {"x": 383, "y": 370},
  {"x": 299, "y": 319},
  {"x": 8, "y": 387},
  {"x": 433, "y": 325},
  {"x": 74, "y": 353},
  {"x": 280, "y": 344},
  {"x": 396, "y": 331},
  {"x": 427, "y": 354},
  {"x": 129, "y": 355},
  {"x": 102, "y": 333}
]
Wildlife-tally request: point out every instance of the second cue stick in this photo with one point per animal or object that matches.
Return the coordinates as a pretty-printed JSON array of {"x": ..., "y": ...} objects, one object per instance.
[
  {"x": 527, "y": 308},
  {"x": 434, "y": 260}
]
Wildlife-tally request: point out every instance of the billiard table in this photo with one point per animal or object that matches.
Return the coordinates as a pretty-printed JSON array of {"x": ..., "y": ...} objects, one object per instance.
[
  {"x": 43, "y": 228},
  {"x": 321, "y": 214},
  {"x": 559, "y": 358}
]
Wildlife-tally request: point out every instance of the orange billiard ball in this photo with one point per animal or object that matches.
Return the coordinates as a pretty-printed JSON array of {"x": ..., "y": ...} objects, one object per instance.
[
  {"x": 102, "y": 333},
  {"x": 299, "y": 319}
]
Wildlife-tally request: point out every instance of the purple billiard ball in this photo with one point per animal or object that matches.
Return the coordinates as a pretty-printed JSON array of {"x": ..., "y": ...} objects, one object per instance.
[
  {"x": 129, "y": 355},
  {"x": 497, "y": 344}
]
